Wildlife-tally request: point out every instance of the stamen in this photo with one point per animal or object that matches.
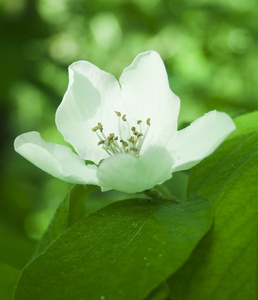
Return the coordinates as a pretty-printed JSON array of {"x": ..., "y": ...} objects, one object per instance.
[
  {"x": 133, "y": 145},
  {"x": 134, "y": 150},
  {"x": 119, "y": 123},
  {"x": 110, "y": 139},
  {"x": 125, "y": 144},
  {"x": 131, "y": 140},
  {"x": 116, "y": 144},
  {"x": 100, "y": 138},
  {"x": 140, "y": 125},
  {"x": 96, "y": 128},
  {"x": 111, "y": 136},
  {"x": 108, "y": 152},
  {"x": 100, "y": 127}
]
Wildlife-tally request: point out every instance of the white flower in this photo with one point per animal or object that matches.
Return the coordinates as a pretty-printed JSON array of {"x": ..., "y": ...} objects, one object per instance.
[{"x": 127, "y": 128}]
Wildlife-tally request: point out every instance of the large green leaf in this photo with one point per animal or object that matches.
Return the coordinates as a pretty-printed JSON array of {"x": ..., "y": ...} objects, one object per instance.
[
  {"x": 123, "y": 251},
  {"x": 162, "y": 292},
  {"x": 69, "y": 212},
  {"x": 225, "y": 264},
  {"x": 80, "y": 201},
  {"x": 8, "y": 279}
]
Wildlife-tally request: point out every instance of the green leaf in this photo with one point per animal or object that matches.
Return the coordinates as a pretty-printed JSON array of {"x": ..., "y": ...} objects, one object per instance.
[
  {"x": 56, "y": 227},
  {"x": 225, "y": 263},
  {"x": 69, "y": 211},
  {"x": 162, "y": 292},
  {"x": 79, "y": 202},
  {"x": 8, "y": 279},
  {"x": 127, "y": 248}
]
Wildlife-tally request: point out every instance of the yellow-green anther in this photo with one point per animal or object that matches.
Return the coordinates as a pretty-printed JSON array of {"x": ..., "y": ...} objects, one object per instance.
[
  {"x": 100, "y": 126},
  {"x": 134, "y": 149},
  {"x": 96, "y": 128},
  {"x": 125, "y": 144},
  {"x": 133, "y": 144},
  {"x": 110, "y": 137},
  {"x": 131, "y": 140}
]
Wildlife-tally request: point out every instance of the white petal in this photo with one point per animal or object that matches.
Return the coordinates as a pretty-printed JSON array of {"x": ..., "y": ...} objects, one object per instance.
[
  {"x": 92, "y": 96},
  {"x": 57, "y": 160},
  {"x": 200, "y": 139},
  {"x": 146, "y": 94},
  {"x": 126, "y": 173}
]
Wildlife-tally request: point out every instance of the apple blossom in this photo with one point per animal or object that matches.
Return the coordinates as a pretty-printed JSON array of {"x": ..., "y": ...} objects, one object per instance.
[{"x": 128, "y": 129}]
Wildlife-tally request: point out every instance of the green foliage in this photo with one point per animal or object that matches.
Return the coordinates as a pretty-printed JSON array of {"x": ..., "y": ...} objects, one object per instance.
[
  {"x": 10, "y": 241},
  {"x": 8, "y": 280},
  {"x": 127, "y": 248},
  {"x": 160, "y": 293},
  {"x": 208, "y": 47},
  {"x": 69, "y": 211},
  {"x": 210, "y": 51},
  {"x": 80, "y": 201},
  {"x": 224, "y": 265}
]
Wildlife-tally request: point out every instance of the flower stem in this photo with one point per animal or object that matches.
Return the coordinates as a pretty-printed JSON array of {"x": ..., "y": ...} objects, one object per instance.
[{"x": 161, "y": 192}]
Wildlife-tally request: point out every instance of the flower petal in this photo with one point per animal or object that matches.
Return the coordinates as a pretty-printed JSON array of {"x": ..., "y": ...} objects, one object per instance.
[
  {"x": 146, "y": 94},
  {"x": 57, "y": 160},
  {"x": 92, "y": 96},
  {"x": 200, "y": 139},
  {"x": 127, "y": 173}
]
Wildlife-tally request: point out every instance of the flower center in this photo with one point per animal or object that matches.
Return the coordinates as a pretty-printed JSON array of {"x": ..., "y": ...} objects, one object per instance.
[{"x": 116, "y": 144}]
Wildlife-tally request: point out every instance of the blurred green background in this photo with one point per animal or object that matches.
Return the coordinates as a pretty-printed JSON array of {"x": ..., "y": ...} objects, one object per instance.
[{"x": 209, "y": 48}]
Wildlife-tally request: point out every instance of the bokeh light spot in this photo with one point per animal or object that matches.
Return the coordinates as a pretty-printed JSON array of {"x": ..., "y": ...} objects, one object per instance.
[{"x": 106, "y": 30}]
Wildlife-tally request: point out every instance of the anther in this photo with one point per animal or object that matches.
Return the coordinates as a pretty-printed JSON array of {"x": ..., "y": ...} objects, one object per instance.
[
  {"x": 100, "y": 126},
  {"x": 134, "y": 150},
  {"x": 132, "y": 145},
  {"x": 125, "y": 144},
  {"x": 96, "y": 128},
  {"x": 131, "y": 140}
]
